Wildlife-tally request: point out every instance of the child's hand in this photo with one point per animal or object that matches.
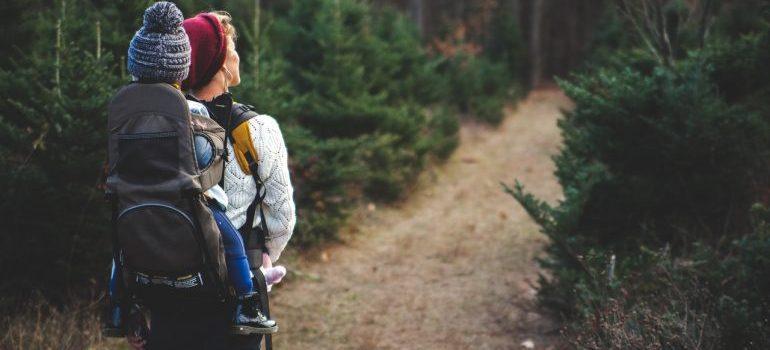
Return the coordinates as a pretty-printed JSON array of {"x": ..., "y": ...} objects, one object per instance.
[
  {"x": 275, "y": 274},
  {"x": 272, "y": 274}
]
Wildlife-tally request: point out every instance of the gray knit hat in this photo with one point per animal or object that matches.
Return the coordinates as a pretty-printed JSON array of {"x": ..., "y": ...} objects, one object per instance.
[{"x": 160, "y": 49}]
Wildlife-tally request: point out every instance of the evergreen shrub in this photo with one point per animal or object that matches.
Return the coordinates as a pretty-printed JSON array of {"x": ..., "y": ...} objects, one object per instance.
[
  {"x": 353, "y": 92},
  {"x": 660, "y": 168},
  {"x": 51, "y": 155},
  {"x": 478, "y": 86},
  {"x": 362, "y": 105}
]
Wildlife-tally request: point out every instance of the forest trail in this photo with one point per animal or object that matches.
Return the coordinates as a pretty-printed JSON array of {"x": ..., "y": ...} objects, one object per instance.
[{"x": 449, "y": 268}]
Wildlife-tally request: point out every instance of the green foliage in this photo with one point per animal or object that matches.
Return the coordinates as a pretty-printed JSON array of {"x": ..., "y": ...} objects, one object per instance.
[
  {"x": 443, "y": 135},
  {"x": 350, "y": 87},
  {"x": 611, "y": 39},
  {"x": 321, "y": 173},
  {"x": 478, "y": 86},
  {"x": 411, "y": 74},
  {"x": 654, "y": 243},
  {"x": 740, "y": 18},
  {"x": 352, "y": 102},
  {"x": 674, "y": 155},
  {"x": 51, "y": 154},
  {"x": 507, "y": 46},
  {"x": 740, "y": 67},
  {"x": 362, "y": 105}
]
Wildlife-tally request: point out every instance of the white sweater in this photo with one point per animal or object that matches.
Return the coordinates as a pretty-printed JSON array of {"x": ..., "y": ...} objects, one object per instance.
[{"x": 274, "y": 171}]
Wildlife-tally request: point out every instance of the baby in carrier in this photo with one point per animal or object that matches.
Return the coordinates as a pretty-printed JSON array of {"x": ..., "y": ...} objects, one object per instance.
[{"x": 160, "y": 53}]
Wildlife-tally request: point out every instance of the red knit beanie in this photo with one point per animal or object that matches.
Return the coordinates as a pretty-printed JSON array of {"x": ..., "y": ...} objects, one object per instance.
[{"x": 208, "y": 44}]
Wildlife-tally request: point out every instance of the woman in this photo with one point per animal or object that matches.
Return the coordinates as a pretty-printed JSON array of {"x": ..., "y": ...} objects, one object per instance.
[{"x": 214, "y": 69}]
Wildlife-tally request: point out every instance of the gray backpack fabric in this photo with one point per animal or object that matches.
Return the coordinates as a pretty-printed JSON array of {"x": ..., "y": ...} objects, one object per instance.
[{"x": 165, "y": 238}]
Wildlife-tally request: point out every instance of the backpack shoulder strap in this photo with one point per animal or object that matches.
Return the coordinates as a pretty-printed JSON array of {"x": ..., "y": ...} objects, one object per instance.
[
  {"x": 240, "y": 135},
  {"x": 247, "y": 158}
]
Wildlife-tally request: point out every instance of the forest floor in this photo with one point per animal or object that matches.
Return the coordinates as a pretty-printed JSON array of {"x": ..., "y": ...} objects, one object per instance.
[{"x": 451, "y": 267}]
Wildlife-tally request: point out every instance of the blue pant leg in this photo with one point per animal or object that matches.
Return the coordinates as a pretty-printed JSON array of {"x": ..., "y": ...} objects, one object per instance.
[
  {"x": 114, "y": 275},
  {"x": 235, "y": 253}
]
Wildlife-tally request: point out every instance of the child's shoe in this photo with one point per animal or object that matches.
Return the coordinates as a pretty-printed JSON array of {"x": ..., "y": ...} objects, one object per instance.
[{"x": 249, "y": 318}]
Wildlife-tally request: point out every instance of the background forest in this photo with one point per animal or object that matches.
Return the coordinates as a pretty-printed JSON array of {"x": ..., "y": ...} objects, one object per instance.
[
  {"x": 660, "y": 241},
  {"x": 363, "y": 106}
]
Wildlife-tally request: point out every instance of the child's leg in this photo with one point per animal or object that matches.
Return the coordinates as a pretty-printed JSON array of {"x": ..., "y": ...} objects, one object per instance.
[
  {"x": 235, "y": 253},
  {"x": 248, "y": 316},
  {"x": 113, "y": 313},
  {"x": 113, "y": 285}
]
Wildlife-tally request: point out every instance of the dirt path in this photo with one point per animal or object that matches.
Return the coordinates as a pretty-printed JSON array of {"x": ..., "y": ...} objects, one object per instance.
[{"x": 451, "y": 268}]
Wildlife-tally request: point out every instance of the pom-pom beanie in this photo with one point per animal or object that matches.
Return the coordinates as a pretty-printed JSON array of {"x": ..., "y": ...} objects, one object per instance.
[{"x": 160, "y": 49}]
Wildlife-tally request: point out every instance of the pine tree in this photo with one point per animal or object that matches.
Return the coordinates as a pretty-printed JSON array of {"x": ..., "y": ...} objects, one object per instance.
[{"x": 52, "y": 123}]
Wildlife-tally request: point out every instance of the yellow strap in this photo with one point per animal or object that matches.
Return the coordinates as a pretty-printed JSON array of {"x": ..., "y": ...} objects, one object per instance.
[{"x": 242, "y": 144}]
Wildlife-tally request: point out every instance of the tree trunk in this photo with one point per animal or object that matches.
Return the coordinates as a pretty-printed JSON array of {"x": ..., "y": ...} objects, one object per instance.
[
  {"x": 516, "y": 8},
  {"x": 416, "y": 12},
  {"x": 536, "y": 56}
]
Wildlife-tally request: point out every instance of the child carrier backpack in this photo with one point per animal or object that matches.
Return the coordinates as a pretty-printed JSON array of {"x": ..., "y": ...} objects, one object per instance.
[{"x": 165, "y": 240}]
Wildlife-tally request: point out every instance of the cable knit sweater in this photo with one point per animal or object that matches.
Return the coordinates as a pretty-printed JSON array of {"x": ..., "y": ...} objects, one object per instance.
[{"x": 274, "y": 171}]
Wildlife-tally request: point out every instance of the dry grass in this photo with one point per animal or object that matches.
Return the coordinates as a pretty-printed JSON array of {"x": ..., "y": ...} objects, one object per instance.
[
  {"x": 649, "y": 326},
  {"x": 41, "y": 325}
]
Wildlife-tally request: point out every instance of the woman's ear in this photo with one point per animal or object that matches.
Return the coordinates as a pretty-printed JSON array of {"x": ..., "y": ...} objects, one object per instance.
[{"x": 228, "y": 75}]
